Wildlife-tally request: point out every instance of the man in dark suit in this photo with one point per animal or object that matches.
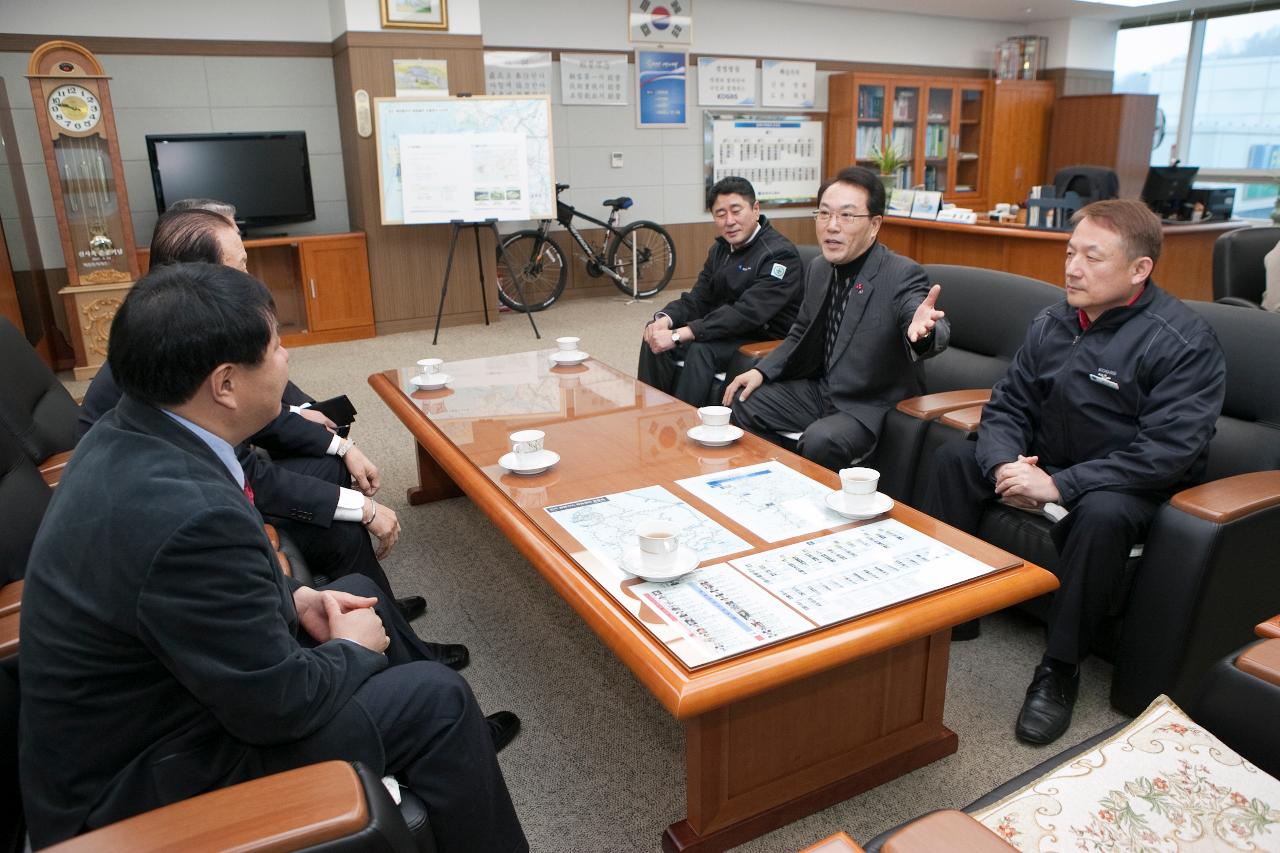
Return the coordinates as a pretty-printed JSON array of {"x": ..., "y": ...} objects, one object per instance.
[
  {"x": 304, "y": 487},
  {"x": 164, "y": 654},
  {"x": 854, "y": 351},
  {"x": 748, "y": 290}
]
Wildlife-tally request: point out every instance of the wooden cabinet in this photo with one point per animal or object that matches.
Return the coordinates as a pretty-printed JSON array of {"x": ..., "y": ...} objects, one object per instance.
[
  {"x": 320, "y": 285},
  {"x": 1104, "y": 130},
  {"x": 962, "y": 136}
]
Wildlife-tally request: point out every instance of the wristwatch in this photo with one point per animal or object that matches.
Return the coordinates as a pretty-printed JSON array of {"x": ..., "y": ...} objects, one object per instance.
[{"x": 675, "y": 337}]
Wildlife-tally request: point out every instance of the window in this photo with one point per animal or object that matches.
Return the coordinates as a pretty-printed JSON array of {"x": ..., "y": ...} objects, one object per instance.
[{"x": 1230, "y": 124}]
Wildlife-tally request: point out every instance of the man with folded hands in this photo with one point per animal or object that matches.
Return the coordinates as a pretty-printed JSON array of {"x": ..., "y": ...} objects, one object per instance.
[
  {"x": 164, "y": 654},
  {"x": 748, "y": 290},
  {"x": 316, "y": 486},
  {"x": 1106, "y": 410}
]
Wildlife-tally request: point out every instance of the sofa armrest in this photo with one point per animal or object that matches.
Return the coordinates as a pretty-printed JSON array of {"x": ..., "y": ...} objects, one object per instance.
[
  {"x": 759, "y": 349},
  {"x": 9, "y": 624},
  {"x": 947, "y": 831},
  {"x": 1231, "y": 497},
  {"x": 838, "y": 843},
  {"x": 273, "y": 536},
  {"x": 51, "y": 469},
  {"x": 286, "y": 811},
  {"x": 1268, "y": 629},
  {"x": 1261, "y": 660},
  {"x": 10, "y": 597},
  {"x": 932, "y": 406},
  {"x": 965, "y": 420}
]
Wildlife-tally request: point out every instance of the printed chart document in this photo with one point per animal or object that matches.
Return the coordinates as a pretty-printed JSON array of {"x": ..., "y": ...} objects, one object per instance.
[
  {"x": 847, "y": 574},
  {"x": 606, "y": 525},
  {"x": 468, "y": 177},
  {"x": 721, "y": 613},
  {"x": 771, "y": 500}
]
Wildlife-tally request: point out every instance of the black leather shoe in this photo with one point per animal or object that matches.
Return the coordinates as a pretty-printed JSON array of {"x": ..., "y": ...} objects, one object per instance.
[
  {"x": 503, "y": 728},
  {"x": 411, "y": 607},
  {"x": 452, "y": 655},
  {"x": 970, "y": 630},
  {"x": 1046, "y": 712}
]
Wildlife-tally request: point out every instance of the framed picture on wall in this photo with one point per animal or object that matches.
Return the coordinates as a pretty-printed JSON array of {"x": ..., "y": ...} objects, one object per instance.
[
  {"x": 415, "y": 14},
  {"x": 660, "y": 21},
  {"x": 660, "y": 88}
]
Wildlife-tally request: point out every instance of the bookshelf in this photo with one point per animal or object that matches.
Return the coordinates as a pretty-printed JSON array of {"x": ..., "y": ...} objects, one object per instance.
[{"x": 943, "y": 127}]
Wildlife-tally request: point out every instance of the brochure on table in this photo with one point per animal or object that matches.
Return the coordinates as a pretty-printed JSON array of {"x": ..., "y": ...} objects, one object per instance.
[{"x": 748, "y": 602}]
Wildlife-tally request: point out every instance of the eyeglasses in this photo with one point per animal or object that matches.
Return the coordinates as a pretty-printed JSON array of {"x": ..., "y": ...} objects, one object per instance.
[{"x": 822, "y": 217}]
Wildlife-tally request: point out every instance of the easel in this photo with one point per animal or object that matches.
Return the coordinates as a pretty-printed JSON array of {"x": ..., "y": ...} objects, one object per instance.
[{"x": 492, "y": 225}]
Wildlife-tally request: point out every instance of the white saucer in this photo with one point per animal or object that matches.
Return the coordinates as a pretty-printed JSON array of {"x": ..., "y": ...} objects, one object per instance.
[
  {"x": 726, "y": 434},
  {"x": 880, "y": 504},
  {"x": 541, "y": 461},
  {"x": 575, "y": 357},
  {"x": 432, "y": 381},
  {"x": 684, "y": 561}
]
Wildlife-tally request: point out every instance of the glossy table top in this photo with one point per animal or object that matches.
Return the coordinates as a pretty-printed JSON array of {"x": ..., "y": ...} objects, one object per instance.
[{"x": 613, "y": 433}]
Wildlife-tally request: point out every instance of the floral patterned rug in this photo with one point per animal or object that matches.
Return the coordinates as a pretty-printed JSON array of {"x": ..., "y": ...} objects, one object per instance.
[{"x": 1160, "y": 785}]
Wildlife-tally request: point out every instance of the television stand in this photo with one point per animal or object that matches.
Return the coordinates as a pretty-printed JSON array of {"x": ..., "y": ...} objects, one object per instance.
[{"x": 320, "y": 283}]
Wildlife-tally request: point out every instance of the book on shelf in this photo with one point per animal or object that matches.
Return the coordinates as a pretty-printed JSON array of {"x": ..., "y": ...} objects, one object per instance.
[
  {"x": 903, "y": 139},
  {"x": 869, "y": 139}
]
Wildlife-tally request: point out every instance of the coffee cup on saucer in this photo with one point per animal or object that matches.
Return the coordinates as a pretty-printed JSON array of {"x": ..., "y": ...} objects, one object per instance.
[
  {"x": 659, "y": 541},
  {"x": 859, "y": 486},
  {"x": 715, "y": 419},
  {"x": 526, "y": 444},
  {"x": 568, "y": 343},
  {"x": 430, "y": 365}
]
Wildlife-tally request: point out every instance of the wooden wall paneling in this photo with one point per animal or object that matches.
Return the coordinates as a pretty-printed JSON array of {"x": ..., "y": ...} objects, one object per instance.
[
  {"x": 1017, "y": 138},
  {"x": 407, "y": 262},
  {"x": 1104, "y": 130},
  {"x": 9, "y": 306}
]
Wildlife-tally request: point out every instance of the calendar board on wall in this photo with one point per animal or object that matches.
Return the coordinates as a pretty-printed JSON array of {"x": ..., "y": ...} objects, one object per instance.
[{"x": 781, "y": 155}]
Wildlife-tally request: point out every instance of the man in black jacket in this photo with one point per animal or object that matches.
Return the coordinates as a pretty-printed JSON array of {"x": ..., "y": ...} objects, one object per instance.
[
  {"x": 748, "y": 290},
  {"x": 163, "y": 652},
  {"x": 1107, "y": 410}
]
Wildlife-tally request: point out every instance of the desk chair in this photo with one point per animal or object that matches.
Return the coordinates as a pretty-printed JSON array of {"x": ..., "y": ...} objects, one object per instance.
[
  {"x": 34, "y": 406},
  {"x": 1238, "y": 275},
  {"x": 1091, "y": 183}
]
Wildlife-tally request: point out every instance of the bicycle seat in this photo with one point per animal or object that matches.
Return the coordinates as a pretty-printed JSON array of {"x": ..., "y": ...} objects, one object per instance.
[
  {"x": 561, "y": 187},
  {"x": 622, "y": 202}
]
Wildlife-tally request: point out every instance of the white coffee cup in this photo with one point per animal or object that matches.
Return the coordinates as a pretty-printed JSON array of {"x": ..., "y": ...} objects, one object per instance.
[
  {"x": 859, "y": 485},
  {"x": 430, "y": 365},
  {"x": 526, "y": 443},
  {"x": 715, "y": 418},
  {"x": 568, "y": 344},
  {"x": 659, "y": 541}
]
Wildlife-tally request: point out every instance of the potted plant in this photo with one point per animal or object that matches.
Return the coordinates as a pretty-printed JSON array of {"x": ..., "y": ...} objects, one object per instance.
[{"x": 889, "y": 160}]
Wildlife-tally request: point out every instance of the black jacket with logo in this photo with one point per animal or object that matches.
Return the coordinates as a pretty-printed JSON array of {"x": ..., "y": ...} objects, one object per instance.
[
  {"x": 1128, "y": 404},
  {"x": 753, "y": 293}
]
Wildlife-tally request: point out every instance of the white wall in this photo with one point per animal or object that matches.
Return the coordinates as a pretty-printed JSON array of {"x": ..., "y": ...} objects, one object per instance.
[
  {"x": 240, "y": 20},
  {"x": 754, "y": 28}
]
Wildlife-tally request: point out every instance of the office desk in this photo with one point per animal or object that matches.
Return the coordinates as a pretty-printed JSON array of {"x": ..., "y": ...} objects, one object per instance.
[
  {"x": 771, "y": 735},
  {"x": 1185, "y": 268}
]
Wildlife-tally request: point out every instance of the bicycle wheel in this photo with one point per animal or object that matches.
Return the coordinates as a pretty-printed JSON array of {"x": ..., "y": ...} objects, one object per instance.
[
  {"x": 539, "y": 271},
  {"x": 645, "y": 252}
]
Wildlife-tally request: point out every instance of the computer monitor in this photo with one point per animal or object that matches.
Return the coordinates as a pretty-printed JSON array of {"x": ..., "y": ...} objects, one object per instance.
[{"x": 1167, "y": 189}]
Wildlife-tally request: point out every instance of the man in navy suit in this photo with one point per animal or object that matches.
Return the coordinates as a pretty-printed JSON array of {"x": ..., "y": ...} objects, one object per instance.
[
  {"x": 867, "y": 319},
  {"x": 163, "y": 652}
]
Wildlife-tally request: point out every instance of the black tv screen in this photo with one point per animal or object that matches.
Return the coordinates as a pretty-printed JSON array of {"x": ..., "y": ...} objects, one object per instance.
[{"x": 265, "y": 175}]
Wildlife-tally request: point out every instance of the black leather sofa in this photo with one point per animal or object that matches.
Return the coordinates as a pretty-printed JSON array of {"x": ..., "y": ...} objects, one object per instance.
[{"x": 1207, "y": 567}]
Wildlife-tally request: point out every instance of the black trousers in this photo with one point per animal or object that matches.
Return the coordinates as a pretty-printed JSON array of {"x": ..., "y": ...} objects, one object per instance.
[
  {"x": 1093, "y": 542},
  {"x": 343, "y": 547},
  {"x": 830, "y": 438},
  {"x": 696, "y": 381},
  {"x": 434, "y": 739}
]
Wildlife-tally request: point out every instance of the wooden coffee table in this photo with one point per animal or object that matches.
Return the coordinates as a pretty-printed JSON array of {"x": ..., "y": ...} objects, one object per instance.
[{"x": 772, "y": 735}]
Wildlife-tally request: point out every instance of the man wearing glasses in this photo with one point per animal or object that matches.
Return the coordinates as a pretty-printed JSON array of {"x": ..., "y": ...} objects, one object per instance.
[
  {"x": 748, "y": 290},
  {"x": 867, "y": 319}
]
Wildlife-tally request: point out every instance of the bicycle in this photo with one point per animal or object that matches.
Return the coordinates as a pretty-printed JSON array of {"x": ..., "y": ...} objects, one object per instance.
[{"x": 639, "y": 260}]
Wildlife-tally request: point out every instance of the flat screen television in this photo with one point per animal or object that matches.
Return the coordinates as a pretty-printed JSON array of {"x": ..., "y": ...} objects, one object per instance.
[{"x": 267, "y": 176}]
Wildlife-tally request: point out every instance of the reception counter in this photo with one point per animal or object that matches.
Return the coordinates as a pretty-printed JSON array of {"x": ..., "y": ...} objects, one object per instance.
[{"x": 1185, "y": 268}]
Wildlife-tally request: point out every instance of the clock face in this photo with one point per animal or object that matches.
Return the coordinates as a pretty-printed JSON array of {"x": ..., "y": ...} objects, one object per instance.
[{"x": 74, "y": 107}]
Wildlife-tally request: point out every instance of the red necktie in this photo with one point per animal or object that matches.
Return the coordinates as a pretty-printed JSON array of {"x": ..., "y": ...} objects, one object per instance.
[{"x": 248, "y": 491}]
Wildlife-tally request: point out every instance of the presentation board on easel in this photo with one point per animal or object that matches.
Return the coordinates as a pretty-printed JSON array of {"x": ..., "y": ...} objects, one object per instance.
[{"x": 464, "y": 159}]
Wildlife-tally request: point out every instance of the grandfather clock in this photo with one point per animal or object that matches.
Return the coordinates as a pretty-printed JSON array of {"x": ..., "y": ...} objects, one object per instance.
[{"x": 82, "y": 156}]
